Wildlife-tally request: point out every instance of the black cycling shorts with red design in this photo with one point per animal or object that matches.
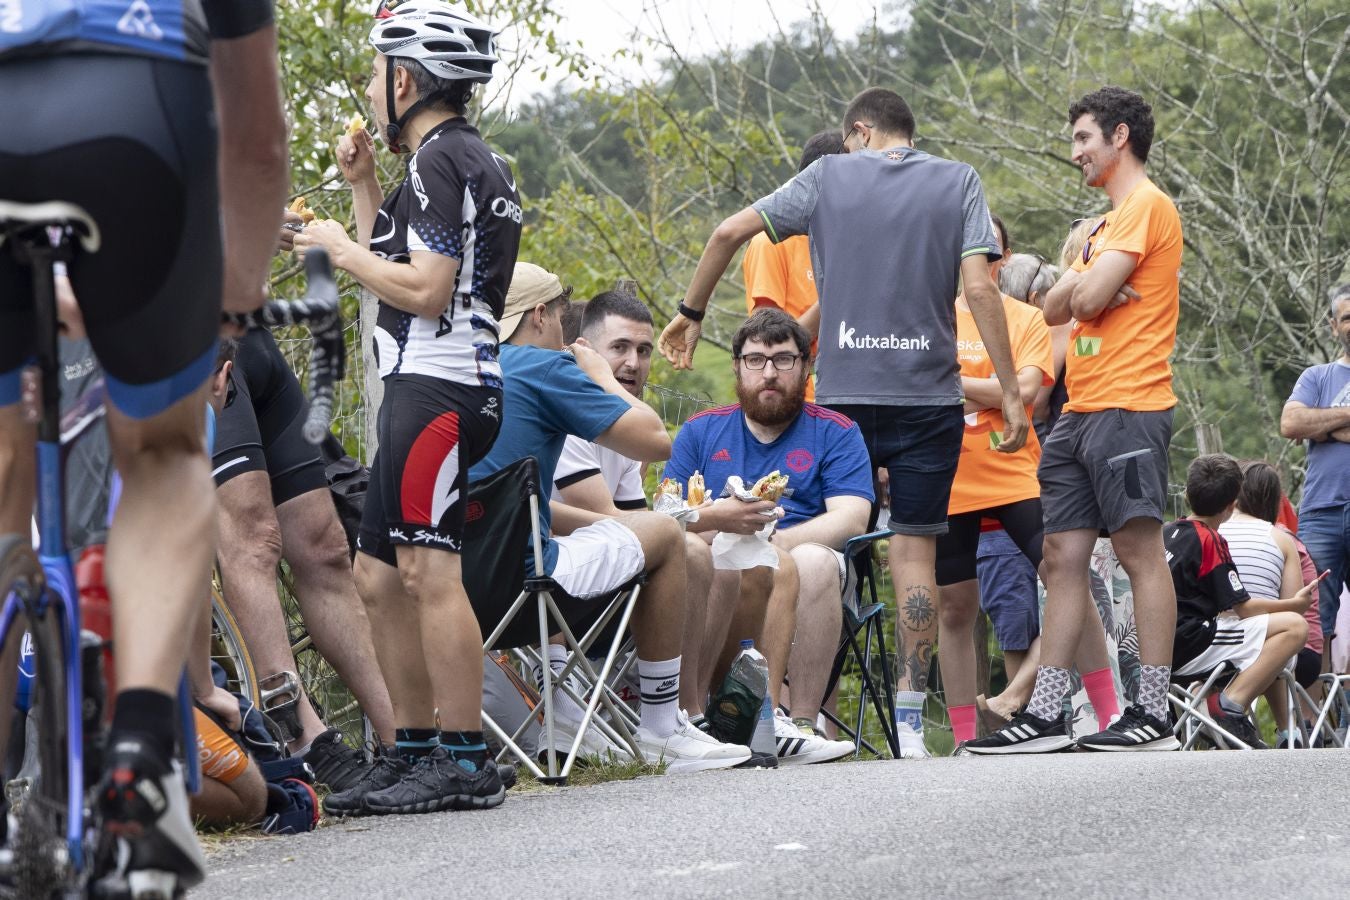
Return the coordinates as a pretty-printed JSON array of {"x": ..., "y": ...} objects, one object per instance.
[{"x": 431, "y": 431}]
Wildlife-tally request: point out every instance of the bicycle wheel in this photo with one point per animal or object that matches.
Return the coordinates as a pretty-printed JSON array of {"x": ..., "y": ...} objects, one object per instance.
[
  {"x": 42, "y": 867},
  {"x": 330, "y": 696},
  {"x": 229, "y": 650}
]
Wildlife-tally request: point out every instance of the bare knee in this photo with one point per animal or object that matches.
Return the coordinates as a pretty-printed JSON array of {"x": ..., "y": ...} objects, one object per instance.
[
  {"x": 660, "y": 536},
  {"x": 1290, "y": 624},
  {"x": 958, "y": 605},
  {"x": 312, "y": 536},
  {"x": 375, "y": 579},
  {"x": 698, "y": 553},
  {"x": 249, "y": 533}
]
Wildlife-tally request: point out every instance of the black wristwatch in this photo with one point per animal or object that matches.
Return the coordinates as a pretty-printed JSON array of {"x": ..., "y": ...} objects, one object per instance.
[{"x": 692, "y": 315}]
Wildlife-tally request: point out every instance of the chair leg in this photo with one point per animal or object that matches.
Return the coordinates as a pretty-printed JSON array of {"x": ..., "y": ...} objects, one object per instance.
[
  {"x": 509, "y": 745},
  {"x": 888, "y": 684}
]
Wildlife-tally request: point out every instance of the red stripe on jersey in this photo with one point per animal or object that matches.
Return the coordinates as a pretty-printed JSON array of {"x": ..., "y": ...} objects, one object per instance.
[
  {"x": 717, "y": 411},
  {"x": 829, "y": 415},
  {"x": 1213, "y": 548},
  {"x": 434, "y": 449}
]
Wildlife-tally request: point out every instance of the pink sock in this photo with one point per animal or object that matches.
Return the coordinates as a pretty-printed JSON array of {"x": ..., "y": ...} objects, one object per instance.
[
  {"x": 963, "y": 722},
  {"x": 1101, "y": 691}
]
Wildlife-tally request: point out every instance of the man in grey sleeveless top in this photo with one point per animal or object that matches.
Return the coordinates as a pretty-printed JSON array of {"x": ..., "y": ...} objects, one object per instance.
[{"x": 891, "y": 230}]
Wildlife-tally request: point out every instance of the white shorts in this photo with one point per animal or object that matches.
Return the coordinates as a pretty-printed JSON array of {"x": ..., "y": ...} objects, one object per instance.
[
  {"x": 1236, "y": 641},
  {"x": 597, "y": 559}
]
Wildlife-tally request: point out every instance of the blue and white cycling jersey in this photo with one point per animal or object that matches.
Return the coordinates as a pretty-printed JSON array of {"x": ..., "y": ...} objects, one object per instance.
[{"x": 164, "y": 29}]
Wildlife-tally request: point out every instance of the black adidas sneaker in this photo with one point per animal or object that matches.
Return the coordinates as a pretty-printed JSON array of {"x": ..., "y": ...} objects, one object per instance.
[
  {"x": 1024, "y": 734},
  {"x": 1134, "y": 730}
]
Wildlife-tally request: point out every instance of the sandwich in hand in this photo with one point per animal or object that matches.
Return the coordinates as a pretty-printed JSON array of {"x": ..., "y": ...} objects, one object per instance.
[
  {"x": 770, "y": 487},
  {"x": 670, "y": 487},
  {"x": 299, "y": 207},
  {"x": 697, "y": 492}
]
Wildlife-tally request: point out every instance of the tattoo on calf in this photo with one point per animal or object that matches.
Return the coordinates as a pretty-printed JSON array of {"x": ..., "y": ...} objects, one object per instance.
[
  {"x": 918, "y": 664},
  {"x": 918, "y": 607}
]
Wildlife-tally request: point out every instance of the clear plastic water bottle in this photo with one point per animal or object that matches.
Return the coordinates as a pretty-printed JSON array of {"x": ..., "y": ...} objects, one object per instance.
[{"x": 738, "y": 708}]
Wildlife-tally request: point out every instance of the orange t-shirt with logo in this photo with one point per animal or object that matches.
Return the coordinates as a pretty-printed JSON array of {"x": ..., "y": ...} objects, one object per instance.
[
  {"x": 781, "y": 274},
  {"x": 1119, "y": 360},
  {"x": 986, "y": 478}
]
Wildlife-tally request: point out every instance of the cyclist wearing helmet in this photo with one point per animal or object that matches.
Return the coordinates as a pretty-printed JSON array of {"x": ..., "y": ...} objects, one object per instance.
[
  {"x": 127, "y": 131},
  {"x": 438, "y": 252}
]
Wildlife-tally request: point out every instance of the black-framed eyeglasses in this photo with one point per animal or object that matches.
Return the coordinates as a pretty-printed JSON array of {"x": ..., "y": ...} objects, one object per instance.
[
  {"x": 854, "y": 130},
  {"x": 783, "y": 362}
]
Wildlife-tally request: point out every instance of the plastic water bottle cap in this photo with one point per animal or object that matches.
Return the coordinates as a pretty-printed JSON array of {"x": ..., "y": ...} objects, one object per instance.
[{"x": 747, "y": 644}]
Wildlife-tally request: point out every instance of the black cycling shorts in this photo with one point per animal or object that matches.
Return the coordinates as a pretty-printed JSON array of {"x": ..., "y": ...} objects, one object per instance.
[
  {"x": 431, "y": 431},
  {"x": 956, "y": 550},
  {"x": 132, "y": 141},
  {"x": 261, "y": 427}
]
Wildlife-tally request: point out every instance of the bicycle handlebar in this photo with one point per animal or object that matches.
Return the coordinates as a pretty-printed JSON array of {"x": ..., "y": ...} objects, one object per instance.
[{"x": 318, "y": 310}]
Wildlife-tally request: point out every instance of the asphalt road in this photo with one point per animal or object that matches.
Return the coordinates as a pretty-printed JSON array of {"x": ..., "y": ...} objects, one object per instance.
[{"x": 1166, "y": 825}]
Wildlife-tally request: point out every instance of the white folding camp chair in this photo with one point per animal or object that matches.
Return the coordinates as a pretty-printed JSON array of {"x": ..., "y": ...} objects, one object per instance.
[{"x": 520, "y": 613}]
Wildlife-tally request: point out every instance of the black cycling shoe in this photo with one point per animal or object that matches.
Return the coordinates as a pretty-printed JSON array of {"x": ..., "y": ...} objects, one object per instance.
[
  {"x": 387, "y": 770},
  {"x": 1135, "y": 730},
  {"x": 334, "y": 763},
  {"x": 144, "y": 805},
  {"x": 439, "y": 783}
]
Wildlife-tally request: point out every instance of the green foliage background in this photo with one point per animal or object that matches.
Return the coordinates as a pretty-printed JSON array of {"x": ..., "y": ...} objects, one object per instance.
[{"x": 626, "y": 179}]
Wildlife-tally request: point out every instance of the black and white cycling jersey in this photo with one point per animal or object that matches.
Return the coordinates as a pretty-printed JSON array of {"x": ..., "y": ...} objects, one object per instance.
[{"x": 459, "y": 199}]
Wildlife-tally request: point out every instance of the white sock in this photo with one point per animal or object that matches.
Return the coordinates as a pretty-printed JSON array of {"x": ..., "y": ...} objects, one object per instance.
[
  {"x": 909, "y": 709},
  {"x": 660, "y": 682},
  {"x": 564, "y": 707}
]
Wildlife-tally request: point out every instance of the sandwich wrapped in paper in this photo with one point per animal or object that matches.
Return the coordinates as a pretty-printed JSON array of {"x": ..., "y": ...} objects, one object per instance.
[
  {"x": 747, "y": 551},
  {"x": 669, "y": 499}
]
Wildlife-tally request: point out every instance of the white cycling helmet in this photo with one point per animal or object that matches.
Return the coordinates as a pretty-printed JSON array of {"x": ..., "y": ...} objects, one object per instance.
[{"x": 447, "y": 41}]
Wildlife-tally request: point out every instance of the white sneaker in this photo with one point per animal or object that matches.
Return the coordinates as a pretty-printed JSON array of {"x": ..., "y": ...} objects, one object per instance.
[
  {"x": 595, "y": 744},
  {"x": 800, "y": 747},
  {"x": 688, "y": 749},
  {"x": 911, "y": 742}
]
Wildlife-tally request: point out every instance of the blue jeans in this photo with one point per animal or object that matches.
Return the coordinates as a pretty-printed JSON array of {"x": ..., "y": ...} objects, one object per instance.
[{"x": 1326, "y": 534}]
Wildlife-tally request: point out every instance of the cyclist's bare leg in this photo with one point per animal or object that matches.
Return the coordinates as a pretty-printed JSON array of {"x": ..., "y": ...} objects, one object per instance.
[
  {"x": 250, "y": 548},
  {"x": 395, "y": 631},
  {"x": 449, "y": 635},
  {"x": 314, "y": 545},
  {"x": 162, "y": 542},
  {"x": 17, "y": 483}
]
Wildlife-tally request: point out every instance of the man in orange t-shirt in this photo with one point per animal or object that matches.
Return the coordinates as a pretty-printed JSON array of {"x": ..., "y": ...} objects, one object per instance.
[
  {"x": 780, "y": 274},
  {"x": 999, "y": 486},
  {"x": 1104, "y": 466}
]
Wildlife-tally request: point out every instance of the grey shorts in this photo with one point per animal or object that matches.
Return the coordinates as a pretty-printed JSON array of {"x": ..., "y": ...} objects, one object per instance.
[{"x": 1100, "y": 469}]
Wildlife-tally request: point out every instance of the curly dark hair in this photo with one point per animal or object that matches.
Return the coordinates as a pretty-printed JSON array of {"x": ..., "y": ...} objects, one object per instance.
[{"x": 1111, "y": 106}]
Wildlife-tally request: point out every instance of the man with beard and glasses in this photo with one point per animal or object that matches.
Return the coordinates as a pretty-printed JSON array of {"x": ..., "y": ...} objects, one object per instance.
[
  {"x": 830, "y": 479},
  {"x": 1318, "y": 411},
  {"x": 891, "y": 230}
]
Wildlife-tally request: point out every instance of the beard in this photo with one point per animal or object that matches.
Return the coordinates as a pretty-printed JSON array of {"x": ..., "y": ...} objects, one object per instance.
[{"x": 775, "y": 411}]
